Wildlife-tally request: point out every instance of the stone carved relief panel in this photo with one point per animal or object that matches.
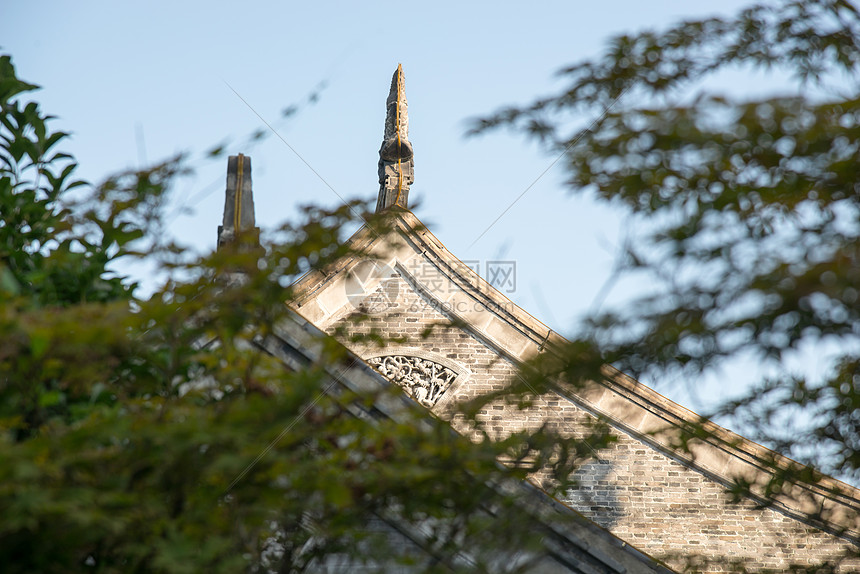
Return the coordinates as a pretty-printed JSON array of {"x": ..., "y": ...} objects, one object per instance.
[{"x": 425, "y": 380}]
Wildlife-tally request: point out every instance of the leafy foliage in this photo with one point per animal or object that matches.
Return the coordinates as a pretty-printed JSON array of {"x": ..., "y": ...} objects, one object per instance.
[
  {"x": 748, "y": 210},
  {"x": 166, "y": 434}
]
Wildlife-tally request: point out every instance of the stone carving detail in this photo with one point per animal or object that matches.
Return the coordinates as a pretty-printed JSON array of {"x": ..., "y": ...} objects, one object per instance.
[
  {"x": 396, "y": 161},
  {"x": 239, "y": 221},
  {"x": 424, "y": 380}
]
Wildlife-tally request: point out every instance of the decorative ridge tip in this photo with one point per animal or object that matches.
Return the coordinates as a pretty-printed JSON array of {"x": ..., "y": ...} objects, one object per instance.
[
  {"x": 395, "y": 155},
  {"x": 239, "y": 224},
  {"x": 397, "y": 116}
]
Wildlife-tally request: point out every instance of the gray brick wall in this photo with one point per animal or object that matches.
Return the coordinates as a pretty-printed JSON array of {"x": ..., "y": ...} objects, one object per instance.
[{"x": 660, "y": 506}]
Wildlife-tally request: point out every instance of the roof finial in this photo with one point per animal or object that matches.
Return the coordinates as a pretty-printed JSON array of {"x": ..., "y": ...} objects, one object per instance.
[
  {"x": 396, "y": 171},
  {"x": 239, "y": 220}
]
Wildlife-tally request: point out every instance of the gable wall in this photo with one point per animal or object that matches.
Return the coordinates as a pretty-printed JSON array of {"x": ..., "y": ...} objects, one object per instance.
[
  {"x": 674, "y": 513},
  {"x": 660, "y": 506}
]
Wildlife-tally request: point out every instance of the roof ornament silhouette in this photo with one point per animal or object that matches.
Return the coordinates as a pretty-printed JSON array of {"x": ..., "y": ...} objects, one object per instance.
[
  {"x": 396, "y": 164},
  {"x": 239, "y": 222}
]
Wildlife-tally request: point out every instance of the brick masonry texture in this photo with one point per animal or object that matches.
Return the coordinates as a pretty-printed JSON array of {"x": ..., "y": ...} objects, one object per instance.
[{"x": 641, "y": 495}]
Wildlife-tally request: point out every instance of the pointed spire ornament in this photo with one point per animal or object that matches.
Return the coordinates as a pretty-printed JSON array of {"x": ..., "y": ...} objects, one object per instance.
[
  {"x": 396, "y": 166},
  {"x": 239, "y": 222}
]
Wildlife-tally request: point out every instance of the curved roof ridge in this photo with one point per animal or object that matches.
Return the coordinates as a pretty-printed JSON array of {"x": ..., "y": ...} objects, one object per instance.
[{"x": 627, "y": 404}]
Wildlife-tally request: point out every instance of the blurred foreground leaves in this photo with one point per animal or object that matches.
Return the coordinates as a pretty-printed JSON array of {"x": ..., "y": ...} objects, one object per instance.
[
  {"x": 160, "y": 435},
  {"x": 746, "y": 212}
]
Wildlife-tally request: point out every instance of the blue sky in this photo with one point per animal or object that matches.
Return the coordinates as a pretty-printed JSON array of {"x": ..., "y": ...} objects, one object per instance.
[{"x": 137, "y": 82}]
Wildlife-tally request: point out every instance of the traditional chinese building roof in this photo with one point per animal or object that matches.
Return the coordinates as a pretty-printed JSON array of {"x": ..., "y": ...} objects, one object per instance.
[{"x": 672, "y": 502}]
